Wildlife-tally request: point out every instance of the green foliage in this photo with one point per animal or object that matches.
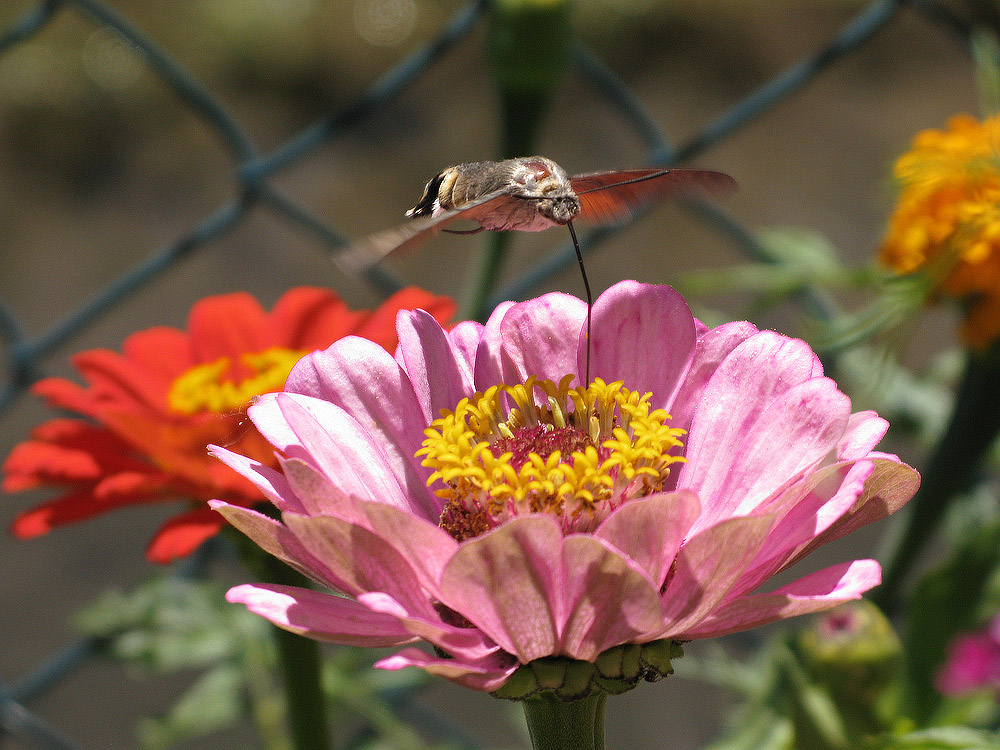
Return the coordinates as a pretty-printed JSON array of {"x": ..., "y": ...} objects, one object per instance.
[
  {"x": 792, "y": 259},
  {"x": 171, "y": 624},
  {"x": 948, "y": 600},
  {"x": 941, "y": 738}
]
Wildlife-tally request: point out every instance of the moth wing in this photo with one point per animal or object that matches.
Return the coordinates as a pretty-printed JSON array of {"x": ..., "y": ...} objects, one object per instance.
[
  {"x": 614, "y": 197},
  {"x": 359, "y": 256}
]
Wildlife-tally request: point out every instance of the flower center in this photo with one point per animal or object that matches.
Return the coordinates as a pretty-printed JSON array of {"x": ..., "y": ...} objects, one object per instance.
[
  {"x": 577, "y": 453},
  {"x": 219, "y": 387}
]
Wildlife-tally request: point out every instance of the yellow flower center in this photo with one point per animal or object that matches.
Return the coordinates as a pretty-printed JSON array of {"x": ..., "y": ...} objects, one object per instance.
[
  {"x": 577, "y": 453},
  {"x": 217, "y": 387}
]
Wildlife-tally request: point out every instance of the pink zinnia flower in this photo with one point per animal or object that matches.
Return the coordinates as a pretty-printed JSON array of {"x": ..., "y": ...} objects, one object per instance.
[
  {"x": 973, "y": 662},
  {"x": 538, "y": 519}
]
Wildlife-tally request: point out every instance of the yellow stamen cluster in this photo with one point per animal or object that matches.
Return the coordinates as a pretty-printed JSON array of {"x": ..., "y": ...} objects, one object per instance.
[
  {"x": 210, "y": 388},
  {"x": 947, "y": 220},
  {"x": 498, "y": 454}
]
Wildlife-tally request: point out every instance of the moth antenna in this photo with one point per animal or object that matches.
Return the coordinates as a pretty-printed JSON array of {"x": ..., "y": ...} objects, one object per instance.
[
  {"x": 631, "y": 181},
  {"x": 590, "y": 297}
]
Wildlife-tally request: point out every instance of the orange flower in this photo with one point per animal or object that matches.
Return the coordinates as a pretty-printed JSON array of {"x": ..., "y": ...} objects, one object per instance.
[
  {"x": 947, "y": 220},
  {"x": 152, "y": 410}
]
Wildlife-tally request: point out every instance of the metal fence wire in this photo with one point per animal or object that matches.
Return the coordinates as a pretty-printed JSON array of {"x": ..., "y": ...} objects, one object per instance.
[{"x": 254, "y": 171}]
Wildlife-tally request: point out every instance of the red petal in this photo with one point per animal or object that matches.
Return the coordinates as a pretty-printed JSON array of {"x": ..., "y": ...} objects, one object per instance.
[
  {"x": 33, "y": 463},
  {"x": 183, "y": 534},
  {"x": 65, "y": 394},
  {"x": 163, "y": 352},
  {"x": 130, "y": 484},
  {"x": 120, "y": 383},
  {"x": 228, "y": 325},
  {"x": 75, "y": 506},
  {"x": 380, "y": 327},
  {"x": 68, "y": 451},
  {"x": 312, "y": 318}
]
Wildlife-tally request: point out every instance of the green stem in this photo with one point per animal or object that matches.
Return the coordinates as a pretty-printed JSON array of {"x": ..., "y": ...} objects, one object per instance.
[
  {"x": 558, "y": 725},
  {"x": 975, "y": 422},
  {"x": 525, "y": 83},
  {"x": 484, "y": 277},
  {"x": 300, "y": 666}
]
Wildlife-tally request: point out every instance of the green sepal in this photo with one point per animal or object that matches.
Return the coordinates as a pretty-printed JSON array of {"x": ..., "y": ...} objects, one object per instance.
[{"x": 615, "y": 671}]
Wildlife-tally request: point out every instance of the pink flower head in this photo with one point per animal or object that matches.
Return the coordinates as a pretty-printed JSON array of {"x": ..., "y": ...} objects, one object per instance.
[
  {"x": 973, "y": 662},
  {"x": 539, "y": 518}
]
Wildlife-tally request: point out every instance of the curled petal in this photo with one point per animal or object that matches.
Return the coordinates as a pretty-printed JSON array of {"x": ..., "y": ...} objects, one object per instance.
[
  {"x": 486, "y": 675},
  {"x": 816, "y": 592},
  {"x": 890, "y": 485},
  {"x": 272, "y": 484},
  {"x": 324, "y": 617}
]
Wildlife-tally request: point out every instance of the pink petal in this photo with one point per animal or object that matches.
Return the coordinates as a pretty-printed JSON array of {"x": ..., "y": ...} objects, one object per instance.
[
  {"x": 864, "y": 431},
  {"x": 321, "y": 616},
  {"x": 708, "y": 566},
  {"x": 328, "y": 438},
  {"x": 437, "y": 378},
  {"x": 537, "y": 593},
  {"x": 486, "y": 675},
  {"x": 272, "y": 484},
  {"x": 739, "y": 453},
  {"x": 710, "y": 350},
  {"x": 822, "y": 590},
  {"x": 973, "y": 663},
  {"x": 275, "y": 538},
  {"x": 316, "y": 494},
  {"x": 541, "y": 336},
  {"x": 890, "y": 485},
  {"x": 464, "y": 339},
  {"x": 649, "y": 531},
  {"x": 504, "y": 583},
  {"x": 362, "y": 559},
  {"x": 364, "y": 380},
  {"x": 427, "y": 547},
  {"x": 816, "y": 504},
  {"x": 489, "y": 369},
  {"x": 463, "y": 643},
  {"x": 644, "y": 334},
  {"x": 607, "y": 600}
]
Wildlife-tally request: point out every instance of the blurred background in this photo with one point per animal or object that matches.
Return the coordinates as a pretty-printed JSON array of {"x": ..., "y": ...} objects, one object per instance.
[{"x": 102, "y": 164}]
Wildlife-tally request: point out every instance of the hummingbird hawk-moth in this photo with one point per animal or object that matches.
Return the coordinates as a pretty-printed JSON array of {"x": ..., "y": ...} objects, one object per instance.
[{"x": 528, "y": 194}]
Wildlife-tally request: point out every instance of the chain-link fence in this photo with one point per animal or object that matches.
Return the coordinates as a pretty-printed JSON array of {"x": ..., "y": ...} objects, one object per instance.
[{"x": 256, "y": 174}]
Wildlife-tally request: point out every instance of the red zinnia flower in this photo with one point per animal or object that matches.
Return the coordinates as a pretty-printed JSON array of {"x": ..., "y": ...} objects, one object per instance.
[{"x": 152, "y": 410}]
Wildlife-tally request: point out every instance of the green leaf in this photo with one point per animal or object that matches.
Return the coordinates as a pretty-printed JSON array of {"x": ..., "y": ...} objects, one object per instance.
[
  {"x": 170, "y": 623},
  {"x": 986, "y": 54},
  {"x": 942, "y": 738},
  {"x": 212, "y": 703},
  {"x": 804, "y": 249},
  {"x": 946, "y": 602},
  {"x": 761, "y": 730}
]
